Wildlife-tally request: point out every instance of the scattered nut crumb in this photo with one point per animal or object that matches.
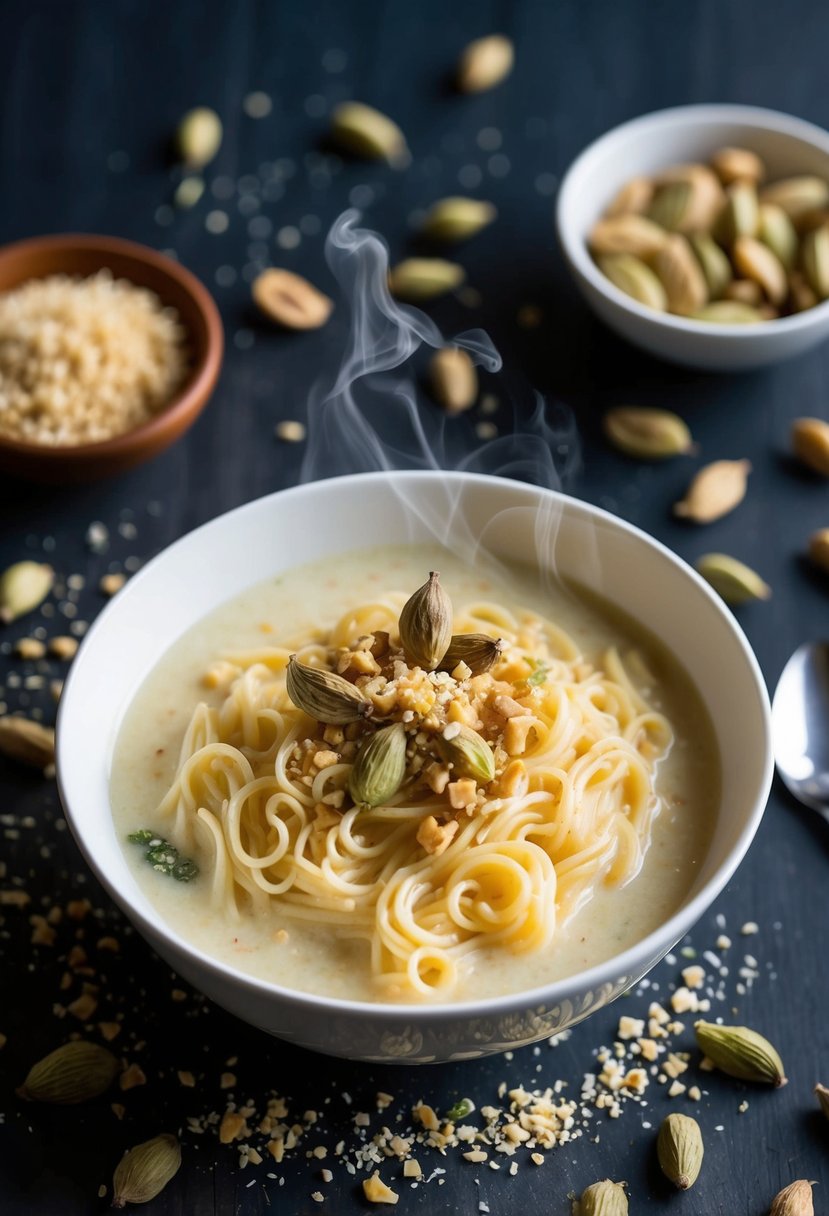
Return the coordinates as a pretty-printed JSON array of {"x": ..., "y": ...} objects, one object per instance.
[
  {"x": 63, "y": 647},
  {"x": 29, "y": 648},
  {"x": 132, "y": 1077},
  {"x": 290, "y": 431},
  {"x": 111, "y": 583}
]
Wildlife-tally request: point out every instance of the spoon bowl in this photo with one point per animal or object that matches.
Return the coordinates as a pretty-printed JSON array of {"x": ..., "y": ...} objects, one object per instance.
[{"x": 800, "y": 726}]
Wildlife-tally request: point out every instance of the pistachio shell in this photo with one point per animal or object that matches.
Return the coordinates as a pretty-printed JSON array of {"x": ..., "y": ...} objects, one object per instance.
[
  {"x": 144, "y": 1171},
  {"x": 634, "y": 234},
  {"x": 23, "y": 587},
  {"x": 26, "y": 741},
  {"x": 469, "y": 754},
  {"x": 364, "y": 131},
  {"x": 419, "y": 279},
  {"x": 740, "y": 1052},
  {"x": 485, "y": 63},
  {"x": 290, "y": 300},
  {"x": 454, "y": 379},
  {"x": 199, "y": 136},
  {"x": 76, "y": 1072},
  {"x": 681, "y": 275},
  {"x": 680, "y": 1150},
  {"x": 457, "y": 219},
  {"x": 426, "y": 624},
  {"x": 715, "y": 265},
  {"x": 794, "y": 1200},
  {"x": 810, "y": 443},
  {"x": 604, "y": 1199},
  {"x": 324, "y": 695},
  {"x": 635, "y": 279},
  {"x": 778, "y": 232},
  {"x": 717, "y": 489},
  {"x": 647, "y": 434},
  {"x": 380, "y": 767},
  {"x": 737, "y": 164},
  {"x": 797, "y": 195},
  {"x": 732, "y": 579},
  {"x": 728, "y": 312},
  {"x": 815, "y": 257},
  {"x": 757, "y": 262}
]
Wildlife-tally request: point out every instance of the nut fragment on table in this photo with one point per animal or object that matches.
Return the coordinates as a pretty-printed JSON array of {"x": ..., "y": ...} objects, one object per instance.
[
  {"x": 485, "y": 63},
  {"x": 290, "y": 300}
]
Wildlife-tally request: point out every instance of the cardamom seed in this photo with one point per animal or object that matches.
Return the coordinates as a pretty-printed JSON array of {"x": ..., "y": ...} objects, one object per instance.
[
  {"x": 27, "y": 741},
  {"x": 634, "y": 234},
  {"x": 802, "y": 296},
  {"x": 740, "y": 1052},
  {"x": 757, "y": 262},
  {"x": 457, "y": 219},
  {"x": 680, "y": 1150},
  {"x": 819, "y": 548},
  {"x": 737, "y": 164},
  {"x": 324, "y": 695},
  {"x": 23, "y": 587},
  {"x": 635, "y": 279},
  {"x": 634, "y": 197},
  {"x": 681, "y": 275},
  {"x": 715, "y": 265},
  {"x": 454, "y": 379},
  {"x": 485, "y": 63},
  {"x": 478, "y": 651},
  {"x": 188, "y": 192},
  {"x": 426, "y": 624},
  {"x": 741, "y": 214},
  {"x": 671, "y": 205},
  {"x": 75, "y": 1072},
  {"x": 797, "y": 195},
  {"x": 469, "y": 754},
  {"x": 144, "y": 1171},
  {"x": 379, "y": 767},
  {"x": 290, "y": 300},
  {"x": 732, "y": 579},
  {"x": 199, "y": 136},
  {"x": 745, "y": 291},
  {"x": 822, "y": 1095},
  {"x": 810, "y": 443},
  {"x": 365, "y": 132},
  {"x": 604, "y": 1199},
  {"x": 717, "y": 489},
  {"x": 647, "y": 434},
  {"x": 778, "y": 232},
  {"x": 418, "y": 279},
  {"x": 815, "y": 257},
  {"x": 794, "y": 1200},
  {"x": 728, "y": 312}
]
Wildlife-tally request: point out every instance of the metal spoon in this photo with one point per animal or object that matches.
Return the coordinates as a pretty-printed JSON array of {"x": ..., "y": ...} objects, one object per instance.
[{"x": 800, "y": 726}]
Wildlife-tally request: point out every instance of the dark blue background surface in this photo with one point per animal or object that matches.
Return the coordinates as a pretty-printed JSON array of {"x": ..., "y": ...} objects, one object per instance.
[{"x": 79, "y": 82}]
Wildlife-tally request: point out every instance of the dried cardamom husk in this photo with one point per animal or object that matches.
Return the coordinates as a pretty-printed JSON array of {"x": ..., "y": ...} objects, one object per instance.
[
  {"x": 740, "y": 1052},
  {"x": 634, "y": 197},
  {"x": 26, "y": 741},
  {"x": 324, "y": 695},
  {"x": 680, "y": 1150},
  {"x": 604, "y": 1199},
  {"x": 485, "y": 63},
  {"x": 814, "y": 255},
  {"x": 717, "y": 489},
  {"x": 290, "y": 300},
  {"x": 715, "y": 265},
  {"x": 778, "y": 232},
  {"x": 810, "y": 443},
  {"x": 454, "y": 379},
  {"x": 75, "y": 1072},
  {"x": 419, "y": 279},
  {"x": 631, "y": 233},
  {"x": 797, "y": 195},
  {"x": 822, "y": 1095},
  {"x": 469, "y": 755},
  {"x": 364, "y": 131},
  {"x": 23, "y": 587},
  {"x": 457, "y": 219},
  {"x": 728, "y": 312},
  {"x": 757, "y": 262},
  {"x": 741, "y": 214},
  {"x": 477, "y": 650},
  {"x": 188, "y": 192},
  {"x": 732, "y": 579},
  {"x": 632, "y": 276},
  {"x": 647, "y": 434},
  {"x": 794, "y": 1200},
  {"x": 737, "y": 164},
  {"x": 426, "y": 624},
  {"x": 144, "y": 1171},
  {"x": 380, "y": 766},
  {"x": 819, "y": 548},
  {"x": 199, "y": 136},
  {"x": 681, "y": 275}
]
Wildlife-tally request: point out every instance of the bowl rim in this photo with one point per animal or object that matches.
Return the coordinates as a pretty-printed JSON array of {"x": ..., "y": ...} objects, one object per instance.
[
  {"x": 701, "y": 116},
  {"x": 655, "y": 944},
  {"x": 203, "y": 375}
]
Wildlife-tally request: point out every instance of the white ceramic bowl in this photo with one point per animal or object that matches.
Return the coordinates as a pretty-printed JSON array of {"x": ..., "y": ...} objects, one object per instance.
[
  {"x": 513, "y": 520},
  {"x": 788, "y": 145}
]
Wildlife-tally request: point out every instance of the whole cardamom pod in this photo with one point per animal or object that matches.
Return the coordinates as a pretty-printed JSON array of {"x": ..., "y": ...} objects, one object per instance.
[
  {"x": 380, "y": 766},
  {"x": 457, "y": 219},
  {"x": 27, "y": 741},
  {"x": 324, "y": 695},
  {"x": 23, "y": 587},
  {"x": 74, "y": 1073},
  {"x": 822, "y": 1095},
  {"x": 366, "y": 132},
  {"x": 794, "y": 1200},
  {"x": 741, "y": 1052},
  {"x": 646, "y": 433},
  {"x": 680, "y": 1150},
  {"x": 144, "y": 1171},
  {"x": 604, "y": 1199},
  {"x": 733, "y": 580},
  {"x": 479, "y": 651},
  {"x": 199, "y": 136},
  {"x": 469, "y": 755},
  {"x": 426, "y": 624}
]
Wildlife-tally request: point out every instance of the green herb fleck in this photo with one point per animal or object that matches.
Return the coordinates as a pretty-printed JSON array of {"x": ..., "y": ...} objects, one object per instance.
[
  {"x": 540, "y": 674},
  {"x": 460, "y": 1110},
  {"x": 164, "y": 857}
]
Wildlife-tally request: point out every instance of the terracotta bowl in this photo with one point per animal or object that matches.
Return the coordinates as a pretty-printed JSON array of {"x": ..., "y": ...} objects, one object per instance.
[{"x": 84, "y": 255}]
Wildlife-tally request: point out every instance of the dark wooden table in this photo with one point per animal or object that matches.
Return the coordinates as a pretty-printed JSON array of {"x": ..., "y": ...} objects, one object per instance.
[{"x": 89, "y": 95}]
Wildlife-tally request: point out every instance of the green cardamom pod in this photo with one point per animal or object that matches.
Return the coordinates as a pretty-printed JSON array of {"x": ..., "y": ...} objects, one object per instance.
[
  {"x": 735, "y": 582},
  {"x": 794, "y": 1200},
  {"x": 144, "y": 1171},
  {"x": 646, "y": 433},
  {"x": 634, "y": 278},
  {"x": 822, "y": 1095},
  {"x": 418, "y": 279},
  {"x": 426, "y": 624},
  {"x": 199, "y": 136},
  {"x": 680, "y": 1150},
  {"x": 670, "y": 205},
  {"x": 741, "y": 214},
  {"x": 604, "y": 1199},
  {"x": 380, "y": 766},
  {"x": 74, "y": 1073},
  {"x": 323, "y": 694},
  {"x": 457, "y": 219},
  {"x": 454, "y": 379},
  {"x": 728, "y": 312},
  {"x": 27, "y": 741},
  {"x": 479, "y": 651},
  {"x": 23, "y": 587},
  {"x": 740, "y": 1052},
  {"x": 468, "y": 754},
  {"x": 815, "y": 256},
  {"x": 715, "y": 265},
  {"x": 797, "y": 195},
  {"x": 778, "y": 232},
  {"x": 366, "y": 132}
]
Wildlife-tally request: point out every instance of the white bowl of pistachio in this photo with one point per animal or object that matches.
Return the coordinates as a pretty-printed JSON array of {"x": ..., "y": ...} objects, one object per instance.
[{"x": 701, "y": 234}]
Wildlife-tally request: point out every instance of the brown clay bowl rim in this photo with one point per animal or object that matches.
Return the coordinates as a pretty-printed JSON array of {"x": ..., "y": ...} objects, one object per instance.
[{"x": 204, "y": 373}]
